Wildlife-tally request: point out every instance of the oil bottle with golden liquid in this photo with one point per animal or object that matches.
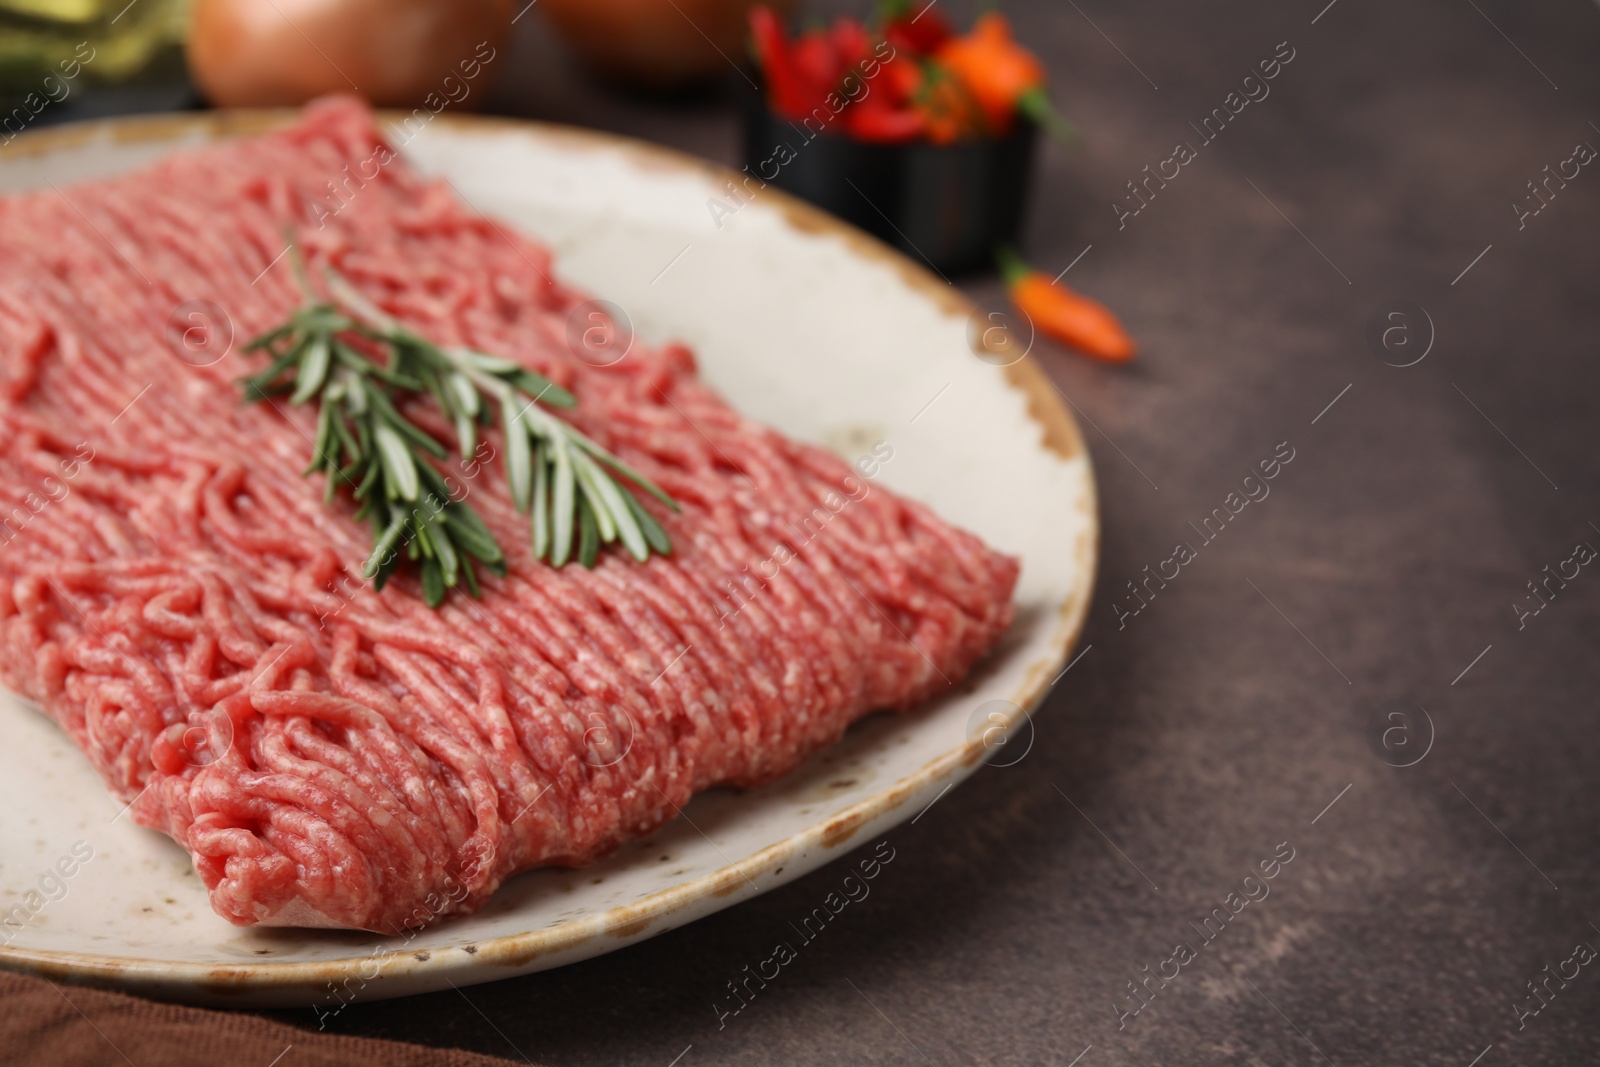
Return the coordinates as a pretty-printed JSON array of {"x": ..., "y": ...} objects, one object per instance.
[{"x": 48, "y": 48}]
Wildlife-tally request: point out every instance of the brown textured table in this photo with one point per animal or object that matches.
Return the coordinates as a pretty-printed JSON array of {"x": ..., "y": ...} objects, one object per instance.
[{"x": 1340, "y": 673}]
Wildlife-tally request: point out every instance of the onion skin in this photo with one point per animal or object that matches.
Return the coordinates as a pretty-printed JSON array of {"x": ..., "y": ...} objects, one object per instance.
[
  {"x": 250, "y": 53},
  {"x": 657, "y": 44}
]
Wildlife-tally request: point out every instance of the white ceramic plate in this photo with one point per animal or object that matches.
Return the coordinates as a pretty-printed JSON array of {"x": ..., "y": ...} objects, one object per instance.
[{"x": 799, "y": 321}]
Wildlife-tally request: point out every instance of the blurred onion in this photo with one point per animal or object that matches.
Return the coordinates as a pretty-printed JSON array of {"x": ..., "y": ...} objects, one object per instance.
[
  {"x": 262, "y": 53},
  {"x": 657, "y": 44}
]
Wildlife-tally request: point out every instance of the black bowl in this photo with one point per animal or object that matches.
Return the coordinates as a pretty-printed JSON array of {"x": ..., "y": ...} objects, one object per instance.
[{"x": 947, "y": 205}]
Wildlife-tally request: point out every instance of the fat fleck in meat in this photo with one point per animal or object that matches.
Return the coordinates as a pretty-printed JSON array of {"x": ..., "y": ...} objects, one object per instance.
[{"x": 190, "y": 611}]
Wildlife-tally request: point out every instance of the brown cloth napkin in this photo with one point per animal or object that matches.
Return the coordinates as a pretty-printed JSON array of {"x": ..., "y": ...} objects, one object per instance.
[{"x": 45, "y": 1022}]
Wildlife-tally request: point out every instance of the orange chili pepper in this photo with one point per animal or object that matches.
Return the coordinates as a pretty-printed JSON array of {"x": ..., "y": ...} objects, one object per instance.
[
  {"x": 1069, "y": 317},
  {"x": 948, "y": 106},
  {"x": 1003, "y": 76}
]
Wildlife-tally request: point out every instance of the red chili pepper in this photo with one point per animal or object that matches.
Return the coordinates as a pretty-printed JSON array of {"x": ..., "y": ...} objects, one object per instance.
[
  {"x": 817, "y": 64},
  {"x": 887, "y": 111},
  {"x": 786, "y": 89},
  {"x": 1004, "y": 76},
  {"x": 879, "y": 119},
  {"x": 1070, "y": 317},
  {"x": 851, "y": 44},
  {"x": 901, "y": 77},
  {"x": 920, "y": 32}
]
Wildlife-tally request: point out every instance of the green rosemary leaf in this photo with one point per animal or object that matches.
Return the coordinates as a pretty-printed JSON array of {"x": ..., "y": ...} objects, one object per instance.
[
  {"x": 313, "y": 371},
  {"x": 541, "y": 502},
  {"x": 387, "y": 571},
  {"x": 588, "y": 534},
  {"x": 467, "y": 400},
  {"x": 323, "y": 318},
  {"x": 348, "y": 357},
  {"x": 626, "y": 471},
  {"x": 399, "y": 466},
  {"x": 471, "y": 575},
  {"x": 542, "y": 389},
  {"x": 590, "y": 489},
  {"x": 384, "y": 547},
  {"x": 445, "y": 548},
  {"x": 616, "y": 500},
  {"x": 415, "y": 434},
  {"x": 319, "y": 449},
  {"x": 402, "y": 425},
  {"x": 519, "y": 459},
  {"x": 562, "y": 505},
  {"x": 434, "y": 387},
  {"x": 433, "y": 583},
  {"x": 422, "y": 537},
  {"x": 653, "y": 533},
  {"x": 371, "y": 316},
  {"x": 466, "y": 435},
  {"x": 470, "y": 533},
  {"x": 370, "y": 480},
  {"x": 392, "y": 374},
  {"x": 330, "y": 488},
  {"x": 355, "y": 401},
  {"x": 352, "y": 450},
  {"x": 401, "y": 380},
  {"x": 459, "y": 398},
  {"x": 435, "y": 491},
  {"x": 490, "y": 364}
]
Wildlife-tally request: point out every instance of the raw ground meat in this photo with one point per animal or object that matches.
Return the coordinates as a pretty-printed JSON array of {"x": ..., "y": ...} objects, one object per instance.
[{"x": 184, "y": 604}]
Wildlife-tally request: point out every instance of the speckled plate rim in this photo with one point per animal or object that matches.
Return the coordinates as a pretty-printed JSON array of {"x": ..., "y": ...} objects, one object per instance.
[{"x": 402, "y": 972}]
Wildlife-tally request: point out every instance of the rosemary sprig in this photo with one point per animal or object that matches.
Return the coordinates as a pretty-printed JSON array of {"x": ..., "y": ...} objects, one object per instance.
[{"x": 562, "y": 479}]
